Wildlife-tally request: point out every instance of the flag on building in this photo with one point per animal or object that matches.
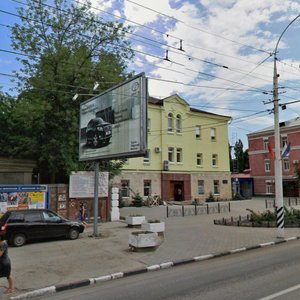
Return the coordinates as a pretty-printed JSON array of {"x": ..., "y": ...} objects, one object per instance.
[
  {"x": 271, "y": 151},
  {"x": 286, "y": 150}
]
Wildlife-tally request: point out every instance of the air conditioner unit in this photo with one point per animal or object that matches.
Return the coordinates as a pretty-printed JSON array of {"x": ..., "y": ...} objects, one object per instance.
[
  {"x": 166, "y": 165},
  {"x": 157, "y": 150},
  {"x": 295, "y": 161}
]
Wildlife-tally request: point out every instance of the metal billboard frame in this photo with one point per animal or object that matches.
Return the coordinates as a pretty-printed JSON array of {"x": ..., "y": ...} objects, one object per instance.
[{"x": 121, "y": 113}]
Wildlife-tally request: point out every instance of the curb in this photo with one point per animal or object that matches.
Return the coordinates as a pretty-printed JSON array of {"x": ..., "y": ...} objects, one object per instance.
[{"x": 91, "y": 281}]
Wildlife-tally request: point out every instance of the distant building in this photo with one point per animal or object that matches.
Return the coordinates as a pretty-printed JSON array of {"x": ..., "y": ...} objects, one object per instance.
[
  {"x": 261, "y": 148},
  {"x": 17, "y": 171},
  {"x": 187, "y": 157}
]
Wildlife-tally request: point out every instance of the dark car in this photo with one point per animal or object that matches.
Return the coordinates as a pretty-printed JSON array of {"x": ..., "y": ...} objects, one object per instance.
[
  {"x": 20, "y": 226},
  {"x": 98, "y": 132}
]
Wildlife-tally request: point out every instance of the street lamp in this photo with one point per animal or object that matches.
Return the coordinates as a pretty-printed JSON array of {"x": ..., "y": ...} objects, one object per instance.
[{"x": 278, "y": 164}]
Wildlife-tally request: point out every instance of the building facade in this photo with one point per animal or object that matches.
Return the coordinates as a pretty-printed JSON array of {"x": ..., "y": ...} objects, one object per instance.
[
  {"x": 261, "y": 158},
  {"x": 17, "y": 171},
  {"x": 187, "y": 157}
]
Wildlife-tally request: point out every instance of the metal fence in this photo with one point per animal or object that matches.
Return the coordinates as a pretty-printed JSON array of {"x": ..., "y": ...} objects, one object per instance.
[
  {"x": 270, "y": 203},
  {"x": 194, "y": 210}
]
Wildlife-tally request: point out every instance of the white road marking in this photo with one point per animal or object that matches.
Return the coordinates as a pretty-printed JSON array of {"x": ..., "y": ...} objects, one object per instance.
[{"x": 283, "y": 292}]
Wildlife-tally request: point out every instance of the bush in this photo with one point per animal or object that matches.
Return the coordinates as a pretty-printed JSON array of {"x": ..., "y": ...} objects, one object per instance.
[
  {"x": 210, "y": 198},
  {"x": 291, "y": 216},
  {"x": 137, "y": 200}
]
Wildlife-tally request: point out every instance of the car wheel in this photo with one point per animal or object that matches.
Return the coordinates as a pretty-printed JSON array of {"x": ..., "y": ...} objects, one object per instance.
[
  {"x": 18, "y": 239},
  {"x": 73, "y": 234}
]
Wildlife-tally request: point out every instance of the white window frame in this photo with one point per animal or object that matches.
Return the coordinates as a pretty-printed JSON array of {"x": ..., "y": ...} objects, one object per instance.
[
  {"x": 201, "y": 187},
  {"x": 214, "y": 160},
  {"x": 216, "y": 187},
  {"x": 198, "y": 132},
  {"x": 178, "y": 124},
  {"x": 171, "y": 154},
  {"x": 179, "y": 155},
  {"x": 269, "y": 187},
  {"x": 170, "y": 123},
  {"x": 286, "y": 164},
  {"x": 147, "y": 157},
  {"x": 267, "y": 165},
  {"x": 266, "y": 143},
  {"x": 213, "y": 134},
  {"x": 284, "y": 140},
  {"x": 199, "y": 159}
]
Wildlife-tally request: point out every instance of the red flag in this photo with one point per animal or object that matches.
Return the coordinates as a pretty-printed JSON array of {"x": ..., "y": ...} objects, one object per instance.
[{"x": 271, "y": 151}]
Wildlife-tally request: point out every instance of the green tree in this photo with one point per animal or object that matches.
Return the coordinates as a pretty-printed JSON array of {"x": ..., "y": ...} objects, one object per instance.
[
  {"x": 241, "y": 157},
  {"x": 7, "y": 104},
  {"x": 68, "y": 48}
]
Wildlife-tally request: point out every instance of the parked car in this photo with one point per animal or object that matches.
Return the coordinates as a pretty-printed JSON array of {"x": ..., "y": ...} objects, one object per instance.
[
  {"x": 98, "y": 132},
  {"x": 20, "y": 226}
]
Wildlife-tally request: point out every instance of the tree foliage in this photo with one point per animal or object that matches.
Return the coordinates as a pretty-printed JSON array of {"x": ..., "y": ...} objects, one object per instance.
[
  {"x": 68, "y": 48},
  {"x": 241, "y": 157}
]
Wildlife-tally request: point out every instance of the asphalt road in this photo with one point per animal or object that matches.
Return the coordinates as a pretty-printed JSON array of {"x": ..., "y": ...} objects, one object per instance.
[{"x": 266, "y": 273}]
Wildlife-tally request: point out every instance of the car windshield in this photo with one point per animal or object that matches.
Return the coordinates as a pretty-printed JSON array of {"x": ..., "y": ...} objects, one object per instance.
[{"x": 95, "y": 122}]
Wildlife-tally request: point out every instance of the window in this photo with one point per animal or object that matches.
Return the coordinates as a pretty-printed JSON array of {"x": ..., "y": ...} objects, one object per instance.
[
  {"x": 266, "y": 143},
  {"x": 214, "y": 160},
  {"x": 267, "y": 165},
  {"x": 199, "y": 159},
  {"x": 200, "y": 187},
  {"x": 286, "y": 164},
  {"x": 149, "y": 125},
  {"x": 178, "y": 124},
  {"x": 125, "y": 188},
  {"x": 216, "y": 187},
  {"x": 268, "y": 187},
  {"x": 147, "y": 187},
  {"x": 16, "y": 217},
  {"x": 35, "y": 217},
  {"x": 284, "y": 140},
  {"x": 171, "y": 154},
  {"x": 179, "y": 155},
  {"x": 51, "y": 217},
  {"x": 170, "y": 122},
  {"x": 198, "y": 131},
  {"x": 147, "y": 157},
  {"x": 213, "y": 134}
]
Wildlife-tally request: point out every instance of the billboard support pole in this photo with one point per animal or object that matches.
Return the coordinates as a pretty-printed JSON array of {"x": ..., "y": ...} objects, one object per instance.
[{"x": 96, "y": 193}]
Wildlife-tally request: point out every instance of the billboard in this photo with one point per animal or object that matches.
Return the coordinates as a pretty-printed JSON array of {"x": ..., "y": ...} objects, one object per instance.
[
  {"x": 23, "y": 196},
  {"x": 82, "y": 185},
  {"x": 114, "y": 124}
]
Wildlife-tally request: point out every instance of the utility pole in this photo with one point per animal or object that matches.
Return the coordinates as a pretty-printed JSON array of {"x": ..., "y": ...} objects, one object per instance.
[{"x": 278, "y": 162}]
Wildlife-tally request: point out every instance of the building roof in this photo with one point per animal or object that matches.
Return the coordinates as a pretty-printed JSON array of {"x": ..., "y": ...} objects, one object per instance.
[
  {"x": 286, "y": 124},
  {"x": 160, "y": 102}
]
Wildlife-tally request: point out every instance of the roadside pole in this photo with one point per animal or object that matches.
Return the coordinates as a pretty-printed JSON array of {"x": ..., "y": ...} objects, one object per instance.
[{"x": 96, "y": 188}]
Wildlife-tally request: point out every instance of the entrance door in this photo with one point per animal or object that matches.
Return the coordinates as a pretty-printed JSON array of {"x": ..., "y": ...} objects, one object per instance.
[{"x": 177, "y": 190}]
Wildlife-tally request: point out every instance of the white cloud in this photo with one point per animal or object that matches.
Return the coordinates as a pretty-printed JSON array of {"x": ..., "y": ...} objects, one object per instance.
[{"x": 219, "y": 32}]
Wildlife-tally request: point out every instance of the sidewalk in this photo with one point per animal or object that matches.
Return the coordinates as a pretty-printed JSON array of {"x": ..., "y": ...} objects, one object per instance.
[{"x": 40, "y": 265}]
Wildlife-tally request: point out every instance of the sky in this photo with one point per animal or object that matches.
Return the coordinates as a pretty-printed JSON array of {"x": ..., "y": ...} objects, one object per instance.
[{"x": 218, "y": 55}]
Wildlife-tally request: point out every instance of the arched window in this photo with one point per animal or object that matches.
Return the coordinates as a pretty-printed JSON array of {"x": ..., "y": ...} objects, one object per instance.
[
  {"x": 178, "y": 123},
  {"x": 170, "y": 122}
]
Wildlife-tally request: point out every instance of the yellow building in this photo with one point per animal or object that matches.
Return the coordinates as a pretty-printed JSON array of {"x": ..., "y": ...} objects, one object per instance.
[{"x": 187, "y": 158}]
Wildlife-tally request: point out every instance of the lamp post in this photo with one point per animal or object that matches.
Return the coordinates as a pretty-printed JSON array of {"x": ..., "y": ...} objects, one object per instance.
[{"x": 278, "y": 163}]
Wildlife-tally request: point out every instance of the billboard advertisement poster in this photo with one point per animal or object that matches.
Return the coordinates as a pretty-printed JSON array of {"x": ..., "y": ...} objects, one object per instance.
[
  {"x": 113, "y": 124},
  {"x": 20, "y": 197},
  {"x": 82, "y": 185}
]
